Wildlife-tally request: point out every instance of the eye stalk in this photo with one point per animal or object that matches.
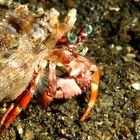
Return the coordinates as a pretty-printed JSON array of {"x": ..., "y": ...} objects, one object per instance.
[
  {"x": 89, "y": 29},
  {"x": 72, "y": 38}
]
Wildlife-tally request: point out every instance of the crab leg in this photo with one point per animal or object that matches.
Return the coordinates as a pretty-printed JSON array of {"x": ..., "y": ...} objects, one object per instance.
[
  {"x": 93, "y": 93},
  {"x": 49, "y": 93},
  {"x": 20, "y": 103}
]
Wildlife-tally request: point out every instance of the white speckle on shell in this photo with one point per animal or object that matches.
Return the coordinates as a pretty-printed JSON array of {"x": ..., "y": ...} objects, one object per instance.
[
  {"x": 38, "y": 33},
  {"x": 43, "y": 63},
  {"x": 13, "y": 64},
  {"x": 71, "y": 17}
]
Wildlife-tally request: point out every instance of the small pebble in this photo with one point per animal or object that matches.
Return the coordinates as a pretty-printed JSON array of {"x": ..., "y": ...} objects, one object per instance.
[
  {"x": 119, "y": 48},
  {"x": 20, "y": 130},
  {"x": 136, "y": 85},
  {"x": 5, "y": 3}
]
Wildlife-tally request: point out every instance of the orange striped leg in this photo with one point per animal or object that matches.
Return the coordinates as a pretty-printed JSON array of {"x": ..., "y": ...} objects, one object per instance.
[
  {"x": 20, "y": 103},
  {"x": 93, "y": 93}
]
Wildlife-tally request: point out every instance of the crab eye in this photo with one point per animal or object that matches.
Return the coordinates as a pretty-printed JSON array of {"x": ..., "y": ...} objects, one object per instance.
[
  {"x": 89, "y": 29},
  {"x": 72, "y": 38}
]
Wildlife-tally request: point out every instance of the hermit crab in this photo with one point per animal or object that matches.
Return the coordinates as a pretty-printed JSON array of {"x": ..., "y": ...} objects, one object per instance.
[{"x": 43, "y": 49}]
